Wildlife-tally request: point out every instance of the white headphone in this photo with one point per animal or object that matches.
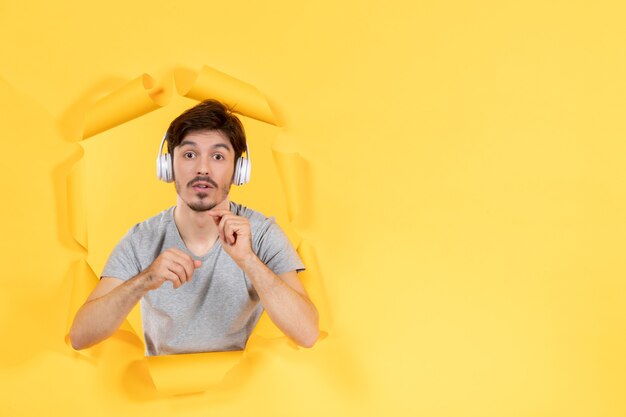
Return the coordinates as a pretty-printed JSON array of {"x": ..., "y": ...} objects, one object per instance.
[{"x": 165, "y": 171}]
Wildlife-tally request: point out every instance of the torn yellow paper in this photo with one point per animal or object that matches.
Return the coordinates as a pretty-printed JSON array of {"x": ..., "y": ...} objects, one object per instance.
[
  {"x": 189, "y": 373},
  {"x": 291, "y": 169},
  {"x": 210, "y": 83},
  {"x": 185, "y": 373},
  {"x": 76, "y": 204},
  {"x": 138, "y": 97},
  {"x": 85, "y": 281},
  {"x": 311, "y": 279}
]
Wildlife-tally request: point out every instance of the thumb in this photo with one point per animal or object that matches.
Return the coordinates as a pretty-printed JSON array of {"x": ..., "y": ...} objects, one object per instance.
[
  {"x": 216, "y": 218},
  {"x": 197, "y": 264}
]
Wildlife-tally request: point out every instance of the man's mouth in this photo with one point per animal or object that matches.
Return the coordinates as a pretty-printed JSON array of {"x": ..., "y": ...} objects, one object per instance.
[{"x": 202, "y": 184}]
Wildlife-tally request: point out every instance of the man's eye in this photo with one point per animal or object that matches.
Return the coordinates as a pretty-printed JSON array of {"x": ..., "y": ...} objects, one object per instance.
[
  {"x": 189, "y": 155},
  {"x": 218, "y": 156}
]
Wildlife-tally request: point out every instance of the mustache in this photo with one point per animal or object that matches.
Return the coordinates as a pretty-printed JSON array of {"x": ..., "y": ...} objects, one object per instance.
[{"x": 203, "y": 179}]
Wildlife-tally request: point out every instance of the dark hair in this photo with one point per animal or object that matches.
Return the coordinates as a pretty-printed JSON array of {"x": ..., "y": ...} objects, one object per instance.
[{"x": 207, "y": 115}]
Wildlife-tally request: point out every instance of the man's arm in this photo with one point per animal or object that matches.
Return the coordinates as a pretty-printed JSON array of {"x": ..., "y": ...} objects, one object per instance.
[
  {"x": 105, "y": 310},
  {"x": 283, "y": 297},
  {"x": 285, "y": 301},
  {"x": 112, "y": 299}
]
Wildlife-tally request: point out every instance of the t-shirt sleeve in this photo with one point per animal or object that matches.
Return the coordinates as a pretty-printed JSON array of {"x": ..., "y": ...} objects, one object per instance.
[
  {"x": 275, "y": 250},
  {"x": 122, "y": 263}
]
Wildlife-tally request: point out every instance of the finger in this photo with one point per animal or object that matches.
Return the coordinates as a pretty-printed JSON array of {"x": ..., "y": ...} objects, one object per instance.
[
  {"x": 179, "y": 271},
  {"x": 220, "y": 229},
  {"x": 197, "y": 264},
  {"x": 233, "y": 230},
  {"x": 177, "y": 266},
  {"x": 236, "y": 228},
  {"x": 228, "y": 230},
  {"x": 219, "y": 212},
  {"x": 173, "y": 278},
  {"x": 185, "y": 261}
]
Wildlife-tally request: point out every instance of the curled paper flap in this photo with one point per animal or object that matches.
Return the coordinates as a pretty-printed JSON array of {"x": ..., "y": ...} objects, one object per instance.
[
  {"x": 292, "y": 172},
  {"x": 85, "y": 281},
  {"x": 242, "y": 97},
  {"x": 190, "y": 373},
  {"x": 138, "y": 97},
  {"x": 312, "y": 280},
  {"x": 77, "y": 215}
]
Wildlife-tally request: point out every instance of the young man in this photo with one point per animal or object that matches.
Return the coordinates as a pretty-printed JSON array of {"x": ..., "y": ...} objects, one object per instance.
[{"x": 205, "y": 269}]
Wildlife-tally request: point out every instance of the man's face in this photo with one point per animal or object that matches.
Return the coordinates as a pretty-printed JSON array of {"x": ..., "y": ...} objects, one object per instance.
[{"x": 203, "y": 169}]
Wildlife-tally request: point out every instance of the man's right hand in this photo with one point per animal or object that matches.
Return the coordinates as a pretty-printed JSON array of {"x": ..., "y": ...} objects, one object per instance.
[
  {"x": 110, "y": 302},
  {"x": 172, "y": 265}
]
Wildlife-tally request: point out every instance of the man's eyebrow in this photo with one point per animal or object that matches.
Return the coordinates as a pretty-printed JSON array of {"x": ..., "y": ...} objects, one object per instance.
[
  {"x": 217, "y": 145},
  {"x": 187, "y": 142},
  {"x": 222, "y": 145}
]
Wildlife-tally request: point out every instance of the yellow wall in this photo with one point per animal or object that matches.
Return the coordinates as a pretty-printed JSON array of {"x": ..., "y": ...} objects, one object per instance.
[{"x": 466, "y": 171}]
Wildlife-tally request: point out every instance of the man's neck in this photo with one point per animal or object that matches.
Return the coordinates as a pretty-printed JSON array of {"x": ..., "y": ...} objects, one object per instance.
[{"x": 197, "y": 228}]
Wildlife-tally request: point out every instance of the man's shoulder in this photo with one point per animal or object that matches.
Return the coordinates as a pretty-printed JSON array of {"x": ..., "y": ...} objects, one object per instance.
[
  {"x": 152, "y": 226},
  {"x": 252, "y": 215}
]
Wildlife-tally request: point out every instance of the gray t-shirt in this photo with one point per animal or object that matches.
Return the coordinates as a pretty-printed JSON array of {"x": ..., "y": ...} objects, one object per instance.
[{"x": 219, "y": 308}]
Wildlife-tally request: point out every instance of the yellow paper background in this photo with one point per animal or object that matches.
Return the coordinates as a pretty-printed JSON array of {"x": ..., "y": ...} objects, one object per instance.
[{"x": 465, "y": 162}]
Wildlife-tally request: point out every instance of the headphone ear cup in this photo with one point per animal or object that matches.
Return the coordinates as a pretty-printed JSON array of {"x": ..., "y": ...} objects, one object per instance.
[
  {"x": 164, "y": 168},
  {"x": 242, "y": 171},
  {"x": 237, "y": 175},
  {"x": 159, "y": 167},
  {"x": 169, "y": 171},
  {"x": 246, "y": 167}
]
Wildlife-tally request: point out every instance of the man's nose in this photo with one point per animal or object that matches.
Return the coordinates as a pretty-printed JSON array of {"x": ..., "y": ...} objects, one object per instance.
[{"x": 204, "y": 166}]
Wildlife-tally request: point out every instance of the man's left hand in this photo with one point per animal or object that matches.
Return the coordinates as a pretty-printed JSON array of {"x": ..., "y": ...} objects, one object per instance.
[{"x": 235, "y": 235}]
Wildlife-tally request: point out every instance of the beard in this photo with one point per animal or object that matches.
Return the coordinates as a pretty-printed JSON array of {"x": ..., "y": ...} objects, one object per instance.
[
  {"x": 201, "y": 201},
  {"x": 200, "y": 206}
]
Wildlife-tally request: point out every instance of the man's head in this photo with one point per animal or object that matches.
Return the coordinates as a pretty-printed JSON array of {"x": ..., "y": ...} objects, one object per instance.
[
  {"x": 208, "y": 115},
  {"x": 204, "y": 143}
]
